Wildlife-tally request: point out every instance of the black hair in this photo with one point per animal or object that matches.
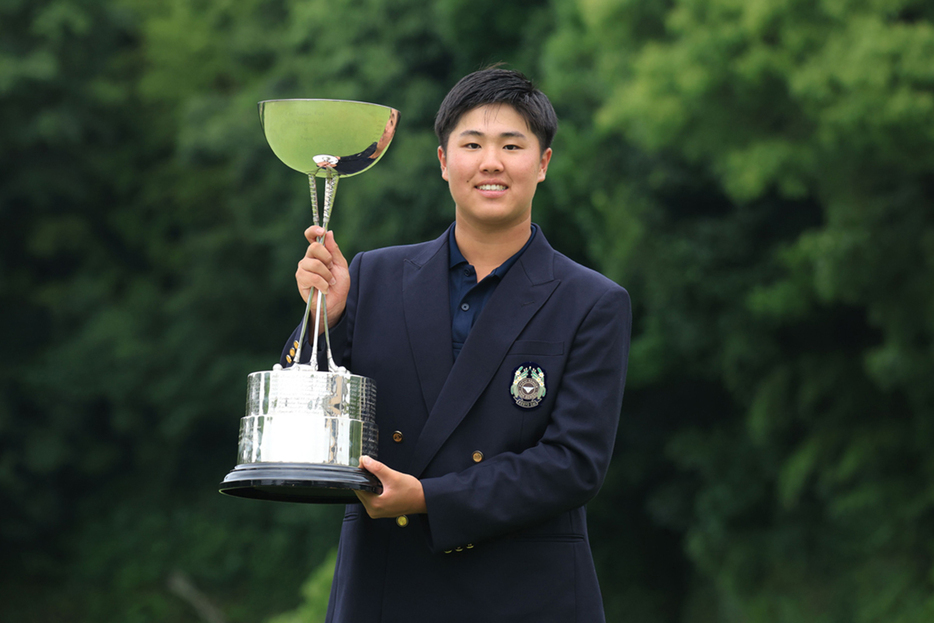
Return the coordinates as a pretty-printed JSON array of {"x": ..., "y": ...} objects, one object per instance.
[{"x": 494, "y": 85}]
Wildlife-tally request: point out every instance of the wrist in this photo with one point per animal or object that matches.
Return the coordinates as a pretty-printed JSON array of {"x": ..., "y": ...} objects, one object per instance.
[
  {"x": 334, "y": 320},
  {"x": 419, "y": 507}
]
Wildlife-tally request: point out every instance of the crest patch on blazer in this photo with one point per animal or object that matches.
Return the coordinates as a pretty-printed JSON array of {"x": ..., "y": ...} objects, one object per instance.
[{"x": 528, "y": 385}]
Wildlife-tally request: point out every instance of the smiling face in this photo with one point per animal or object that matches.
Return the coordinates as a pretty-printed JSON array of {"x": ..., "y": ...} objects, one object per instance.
[{"x": 493, "y": 164}]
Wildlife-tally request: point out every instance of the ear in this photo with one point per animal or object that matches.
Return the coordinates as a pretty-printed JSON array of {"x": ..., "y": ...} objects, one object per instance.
[
  {"x": 444, "y": 164},
  {"x": 543, "y": 165}
]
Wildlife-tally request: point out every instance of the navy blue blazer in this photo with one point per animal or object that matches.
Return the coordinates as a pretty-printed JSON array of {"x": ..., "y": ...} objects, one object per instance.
[{"x": 505, "y": 535}]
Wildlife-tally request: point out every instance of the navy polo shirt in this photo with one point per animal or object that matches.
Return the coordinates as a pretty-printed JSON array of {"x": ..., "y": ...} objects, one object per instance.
[{"x": 467, "y": 297}]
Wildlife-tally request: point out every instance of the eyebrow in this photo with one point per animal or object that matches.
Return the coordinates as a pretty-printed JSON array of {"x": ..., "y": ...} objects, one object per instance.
[{"x": 502, "y": 135}]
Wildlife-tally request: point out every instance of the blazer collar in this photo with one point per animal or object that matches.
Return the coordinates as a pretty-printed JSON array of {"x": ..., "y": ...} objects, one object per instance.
[
  {"x": 450, "y": 389},
  {"x": 428, "y": 315}
]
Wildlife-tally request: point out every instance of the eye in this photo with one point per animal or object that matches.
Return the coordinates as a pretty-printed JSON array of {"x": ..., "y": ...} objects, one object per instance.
[
  {"x": 512, "y": 147},
  {"x": 471, "y": 146}
]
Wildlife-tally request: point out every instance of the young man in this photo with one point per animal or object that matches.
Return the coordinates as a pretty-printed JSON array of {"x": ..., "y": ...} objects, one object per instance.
[{"x": 500, "y": 367}]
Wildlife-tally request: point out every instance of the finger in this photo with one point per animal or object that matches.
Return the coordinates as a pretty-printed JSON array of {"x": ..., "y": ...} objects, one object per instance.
[
  {"x": 374, "y": 467},
  {"x": 317, "y": 251},
  {"x": 312, "y": 267},
  {"x": 366, "y": 498},
  {"x": 335, "y": 251},
  {"x": 313, "y": 233},
  {"x": 308, "y": 283},
  {"x": 315, "y": 282},
  {"x": 370, "y": 500},
  {"x": 386, "y": 476}
]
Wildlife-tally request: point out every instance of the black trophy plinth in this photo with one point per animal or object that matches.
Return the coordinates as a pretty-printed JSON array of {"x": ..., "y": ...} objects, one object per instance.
[{"x": 299, "y": 482}]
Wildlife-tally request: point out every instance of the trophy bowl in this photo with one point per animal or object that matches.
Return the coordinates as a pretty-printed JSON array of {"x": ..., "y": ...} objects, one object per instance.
[
  {"x": 305, "y": 430},
  {"x": 350, "y": 137}
]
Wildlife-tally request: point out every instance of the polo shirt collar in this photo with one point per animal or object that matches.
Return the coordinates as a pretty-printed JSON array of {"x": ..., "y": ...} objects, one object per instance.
[{"x": 456, "y": 257}]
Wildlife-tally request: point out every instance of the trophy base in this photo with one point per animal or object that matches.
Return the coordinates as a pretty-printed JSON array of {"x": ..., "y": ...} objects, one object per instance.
[{"x": 299, "y": 482}]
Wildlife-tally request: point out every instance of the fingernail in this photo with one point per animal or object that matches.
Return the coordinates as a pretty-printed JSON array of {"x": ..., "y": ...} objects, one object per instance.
[{"x": 333, "y": 281}]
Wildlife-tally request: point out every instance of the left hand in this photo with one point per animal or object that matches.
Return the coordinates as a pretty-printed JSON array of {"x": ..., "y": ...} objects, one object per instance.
[{"x": 402, "y": 494}]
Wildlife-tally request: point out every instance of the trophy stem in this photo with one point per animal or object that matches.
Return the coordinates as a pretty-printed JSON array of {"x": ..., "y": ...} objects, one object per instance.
[
  {"x": 313, "y": 190},
  {"x": 330, "y": 191}
]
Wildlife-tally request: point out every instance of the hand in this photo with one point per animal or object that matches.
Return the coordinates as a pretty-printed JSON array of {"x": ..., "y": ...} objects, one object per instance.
[
  {"x": 324, "y": 268},
  {"x": 402, "y": 494}
]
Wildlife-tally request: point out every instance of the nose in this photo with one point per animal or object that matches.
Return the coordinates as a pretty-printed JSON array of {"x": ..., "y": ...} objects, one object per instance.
[{"x": 490, "y": 160}]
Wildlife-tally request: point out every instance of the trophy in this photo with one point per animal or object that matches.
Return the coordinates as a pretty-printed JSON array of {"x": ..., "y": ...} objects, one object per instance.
[{"x": 305, "y": 430}]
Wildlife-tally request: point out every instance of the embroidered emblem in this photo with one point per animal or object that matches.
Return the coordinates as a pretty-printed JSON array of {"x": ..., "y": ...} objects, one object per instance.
[{"x": 528, "y": 385}]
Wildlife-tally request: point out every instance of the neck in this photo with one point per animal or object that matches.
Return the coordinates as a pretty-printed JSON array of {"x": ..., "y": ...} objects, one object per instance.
[{"x": 487, "y": 249}]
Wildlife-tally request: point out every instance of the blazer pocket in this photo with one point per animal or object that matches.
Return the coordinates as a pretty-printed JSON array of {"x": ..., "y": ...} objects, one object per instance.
[{"x": 536, "y": 347}]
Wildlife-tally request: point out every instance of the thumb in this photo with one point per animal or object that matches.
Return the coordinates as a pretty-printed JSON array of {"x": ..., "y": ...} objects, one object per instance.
[
  {"x": 331, "y": 245},
  {"x": 371, "y": 465}
]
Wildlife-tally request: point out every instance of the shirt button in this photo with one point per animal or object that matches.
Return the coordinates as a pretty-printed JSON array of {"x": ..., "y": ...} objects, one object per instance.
[
  {"x": 465, "y": 306},
  {"x": 402, "y": 521},
  {"x": 477, "y": 456},
  {"x": 397, "y": 437}
]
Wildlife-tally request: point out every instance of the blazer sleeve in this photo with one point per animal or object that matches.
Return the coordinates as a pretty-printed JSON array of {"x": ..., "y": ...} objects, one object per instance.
[{"x": 567, "y": 466}]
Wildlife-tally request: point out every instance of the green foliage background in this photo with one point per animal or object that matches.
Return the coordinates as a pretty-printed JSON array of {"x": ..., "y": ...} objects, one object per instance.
[{"x": 758, "y": 173}]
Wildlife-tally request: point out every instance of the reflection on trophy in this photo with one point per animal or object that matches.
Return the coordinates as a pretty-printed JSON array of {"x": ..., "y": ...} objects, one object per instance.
[{"x": 305, "y": 430}]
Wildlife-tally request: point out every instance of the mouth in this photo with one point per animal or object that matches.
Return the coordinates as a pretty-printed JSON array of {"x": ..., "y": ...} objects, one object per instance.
[{"x": 492, "y": 187}]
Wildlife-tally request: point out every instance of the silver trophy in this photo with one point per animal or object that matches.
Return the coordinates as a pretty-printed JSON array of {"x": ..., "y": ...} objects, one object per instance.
[{"x": 305, "y": 430}]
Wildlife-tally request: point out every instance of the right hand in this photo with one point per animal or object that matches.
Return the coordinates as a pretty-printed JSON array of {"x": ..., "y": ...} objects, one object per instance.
[{"x": 324, "y": 268}]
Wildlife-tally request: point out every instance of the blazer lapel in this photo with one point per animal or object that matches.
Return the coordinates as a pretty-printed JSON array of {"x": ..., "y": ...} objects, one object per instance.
[
  {"x": 523, "y": 290},
  {"x": 428, "y": 317}
]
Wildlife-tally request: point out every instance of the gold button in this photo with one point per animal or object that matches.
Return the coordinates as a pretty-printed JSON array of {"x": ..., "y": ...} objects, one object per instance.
[
  {"x": 477, "y": 456},
  {"x": 470, "y": 546},
  {"x": 288, "y": 359},
  {"x": 458, "y": 549},
  {"x": 402, "y": 521},
  {"x": 296, "y": 343},
  {"x": 292, "y": 351},
  {"x": 397, "y": 437},
  {"x": 448, "y": 551}
]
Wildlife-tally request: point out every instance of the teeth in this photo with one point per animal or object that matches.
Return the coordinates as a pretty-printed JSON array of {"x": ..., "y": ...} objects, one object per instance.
[{"x": 491, "y": 187}]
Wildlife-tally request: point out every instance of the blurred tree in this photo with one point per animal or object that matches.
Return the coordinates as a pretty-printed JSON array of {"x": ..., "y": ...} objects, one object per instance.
[
  {"x": 770, "y": 208},
  {"x": 63, "y": 127},
  {"x": 315, "y": 593},
  {"x": 117, "y": 395}
]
